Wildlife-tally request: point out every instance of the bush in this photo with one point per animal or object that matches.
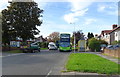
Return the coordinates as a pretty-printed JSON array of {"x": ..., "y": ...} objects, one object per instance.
[
  {"x": 115, "y": 42},
  {"x": 119, "y": 42},
  {"x": 94, "y": 44},
  {"x": 103, "y": 42}
]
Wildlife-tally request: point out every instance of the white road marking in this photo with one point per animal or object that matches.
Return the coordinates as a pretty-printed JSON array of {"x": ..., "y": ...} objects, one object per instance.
[{"x": 49, "y": 73}]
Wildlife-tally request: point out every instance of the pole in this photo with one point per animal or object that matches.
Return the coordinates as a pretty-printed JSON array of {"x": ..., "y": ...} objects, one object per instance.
[
  {"x": 74, "y": 42},
  {"x": 74, "y": 39},
  {"x": 74, "y": 36}
]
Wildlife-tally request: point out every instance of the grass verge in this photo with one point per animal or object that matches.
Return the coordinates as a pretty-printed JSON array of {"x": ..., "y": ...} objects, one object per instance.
[
  {"x": 85, "y": 62},
  {"x": 14, "y": 51},
  {"x": 43, "y": 48},
  {"x": 75, "y": 48}
]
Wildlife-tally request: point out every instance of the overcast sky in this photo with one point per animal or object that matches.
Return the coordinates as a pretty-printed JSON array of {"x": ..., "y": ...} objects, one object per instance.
[{"x": 63, "y": 16}]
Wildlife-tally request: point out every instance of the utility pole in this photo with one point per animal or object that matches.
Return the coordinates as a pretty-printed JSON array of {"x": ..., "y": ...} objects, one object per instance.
[
  {"x": 74, "y": 42},
  {"x": 74, "y": 36}
]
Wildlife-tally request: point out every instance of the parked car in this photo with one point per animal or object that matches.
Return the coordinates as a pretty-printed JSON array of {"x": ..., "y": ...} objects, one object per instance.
[
  {"x": 110, "y": 47},
  {"x": 102, "y": 46},
  {"x": 116, "y": 46},
  {"x": 52, "y": 46},
  {"x": 33, "y": 47}
]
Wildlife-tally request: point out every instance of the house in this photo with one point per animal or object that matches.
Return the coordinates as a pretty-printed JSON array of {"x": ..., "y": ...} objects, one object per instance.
[
  {"x": 97, "y": 36},
  {"x": 17, "y": 42},
  {"x": 105, "y": 35},
  {"x": 115, "y": 34},
  {"x": 111, "y": 35},
  {"x": 40, "y": 39}
]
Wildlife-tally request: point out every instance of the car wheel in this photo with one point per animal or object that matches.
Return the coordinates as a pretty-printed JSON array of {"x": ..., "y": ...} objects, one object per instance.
[
  {"x": 38, "y": 50},
  {"x": 32, "y": 51},
  {"x": 24, "y": 51},
  {"x": 60, "y": 50}
]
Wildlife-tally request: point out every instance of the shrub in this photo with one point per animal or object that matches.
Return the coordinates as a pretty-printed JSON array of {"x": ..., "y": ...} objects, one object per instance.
[
  {"x": 103, "y": 42},
  {"x": 115, "y": 42},
  {"x": 94, "y": 44},
  {"x": 119, "y": 42}
]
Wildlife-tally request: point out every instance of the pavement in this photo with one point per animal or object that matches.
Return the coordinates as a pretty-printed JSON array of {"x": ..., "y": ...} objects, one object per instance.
[{"x": 110, "y": 58}]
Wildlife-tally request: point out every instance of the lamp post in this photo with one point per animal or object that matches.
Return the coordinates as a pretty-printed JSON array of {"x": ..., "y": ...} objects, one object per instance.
[{"x": 74, "y": 36}]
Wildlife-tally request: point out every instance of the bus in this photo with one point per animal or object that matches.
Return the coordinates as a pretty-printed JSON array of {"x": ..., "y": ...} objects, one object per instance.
[{"x": 64, "y": 43}]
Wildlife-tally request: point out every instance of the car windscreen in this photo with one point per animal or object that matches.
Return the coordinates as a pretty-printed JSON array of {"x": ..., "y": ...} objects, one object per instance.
[{"x": 52, "y": 45}]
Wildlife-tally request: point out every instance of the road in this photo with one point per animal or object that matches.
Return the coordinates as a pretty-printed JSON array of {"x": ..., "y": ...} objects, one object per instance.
[{"x": 43, "y": 63}]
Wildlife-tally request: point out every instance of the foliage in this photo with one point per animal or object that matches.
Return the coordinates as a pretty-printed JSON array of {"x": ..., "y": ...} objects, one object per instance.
[
  {"x": 90, "y": 35},
  {"x": 103, "y": 42},
  {"x": 0, "y": 18},
  {"x": 20, "y": 19},
  {"x": 43, "y": 48},
  {"x": 94, "y": 44},
  {"x": 78, "y": 35},
  {"x": 43, "y": 44},
  {"x": 86, "y": 62},
  {"x": 115, "y": 42},
  {"x": 0, "y": 26},
  {"x": 53, "y": 37},
  {"x": 119, "y": 42}
]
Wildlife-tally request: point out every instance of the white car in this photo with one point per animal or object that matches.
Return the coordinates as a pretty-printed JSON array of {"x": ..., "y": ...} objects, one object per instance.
[{"x": 52, "y": 46}]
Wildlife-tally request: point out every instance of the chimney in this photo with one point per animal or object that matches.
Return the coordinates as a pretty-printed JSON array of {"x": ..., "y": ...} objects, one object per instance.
[{"x": 114, "y": 26}]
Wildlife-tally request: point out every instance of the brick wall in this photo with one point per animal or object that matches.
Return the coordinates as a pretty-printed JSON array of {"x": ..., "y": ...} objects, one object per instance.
[{"x": 112, "y": 52}]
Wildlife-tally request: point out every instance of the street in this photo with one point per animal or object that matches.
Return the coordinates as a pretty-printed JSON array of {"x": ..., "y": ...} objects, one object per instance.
[{"x": 43, "y": 63}]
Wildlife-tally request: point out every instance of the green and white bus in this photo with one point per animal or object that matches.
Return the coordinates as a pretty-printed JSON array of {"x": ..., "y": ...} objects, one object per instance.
[{"x": 64, "y": 44}]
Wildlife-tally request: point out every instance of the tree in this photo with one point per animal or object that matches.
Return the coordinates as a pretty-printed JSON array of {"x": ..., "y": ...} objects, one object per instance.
[
  {"x": 0, "y": 26},
  {"x": 20, "y": 19},
  {"x": 0, "y": 18},
  {"x": 94, "y": 44},
  {"x": 53, "y": 37},
  {"x": 6, "y": 32},
  {"x": 78, "y": 35},
  {"x": 90, "y": 35}
]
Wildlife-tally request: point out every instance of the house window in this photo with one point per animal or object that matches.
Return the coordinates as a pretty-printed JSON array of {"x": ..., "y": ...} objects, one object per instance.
[
  {"x": 116, "y": 34},
  {"x": 106, "y": 36}
]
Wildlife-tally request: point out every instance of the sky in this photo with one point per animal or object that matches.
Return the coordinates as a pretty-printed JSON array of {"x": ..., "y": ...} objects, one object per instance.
[{"x": 69, "y": 16}]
